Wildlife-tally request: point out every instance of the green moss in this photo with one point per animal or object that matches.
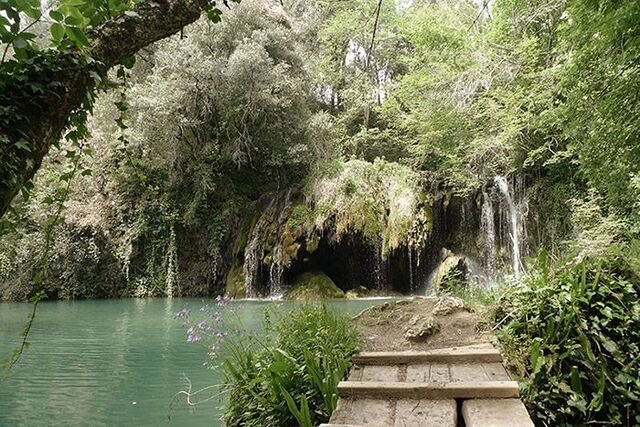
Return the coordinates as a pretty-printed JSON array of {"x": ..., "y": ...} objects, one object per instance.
[
  {"x": 314, "y": 286},
  {"x": 382, "y": 200},
  {"x": 252, "y": 215},
  {"x": 235, "y": 286},
  {"x": 313, "y": 242}
]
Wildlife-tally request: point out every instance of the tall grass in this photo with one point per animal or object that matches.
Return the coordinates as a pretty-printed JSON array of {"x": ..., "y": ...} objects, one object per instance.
[{"x": 288, "y": 377}]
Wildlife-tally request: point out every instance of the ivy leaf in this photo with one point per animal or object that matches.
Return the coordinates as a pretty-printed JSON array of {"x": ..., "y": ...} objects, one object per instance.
[
  {"x": 129, "y": 62},
  {"x": 214, "y": 15},
  {"x": 77, "y": 36},
  {"x": 57, "y": 31},
  {"x": 56, "y": 16}
]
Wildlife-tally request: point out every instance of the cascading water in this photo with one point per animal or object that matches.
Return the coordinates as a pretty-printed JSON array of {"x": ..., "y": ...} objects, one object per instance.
[
  {"x": 488, "y": 233},
  {"x": 379, "y": 267},
  {"x": 276, "y": 271},
  {"x": 271, "y": 223},
  {"x": 503, "y": 187},
  {"x": 410, "y": 256}
]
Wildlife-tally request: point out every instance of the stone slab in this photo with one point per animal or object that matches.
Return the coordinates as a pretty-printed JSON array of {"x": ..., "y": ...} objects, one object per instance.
[
  {"x": 380, "y": 373},
  {"x": 467, "y": 372},
  {"x": 369, "y": 412},
  {"x": 356, "y": 373},
  {"x": 495, "y": 413},
  {"x": 426, "y": 413},
  {"x": 418, "y": 373},
  {"x": 496, "y": 372},
  {"x": 439, "y": 373},
  {"x": 477, "y": 354},
  {"x": 454, "y": 390}
]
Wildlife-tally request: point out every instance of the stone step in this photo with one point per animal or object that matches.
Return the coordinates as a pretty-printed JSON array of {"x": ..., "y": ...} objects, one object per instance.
[
  {"x": 495, "y": 413},
  {"x": 475, "y": 353},
  {"x": 430, "y": 372},
  {"x": 435, "y": 390},
  {"x": 394, "y": 413}
]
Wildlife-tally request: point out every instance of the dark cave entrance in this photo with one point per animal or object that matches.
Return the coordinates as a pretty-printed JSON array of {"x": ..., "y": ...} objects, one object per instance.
[{"x": 353, "y": 262}]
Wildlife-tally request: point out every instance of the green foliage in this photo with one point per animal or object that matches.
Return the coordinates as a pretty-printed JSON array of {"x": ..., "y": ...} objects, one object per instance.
[
  {"x": 290, "y": 377},
  {"x": 381, "y": 200},
  {"x": 574, "y": 330},
  {"x": 68, "y": 22}
]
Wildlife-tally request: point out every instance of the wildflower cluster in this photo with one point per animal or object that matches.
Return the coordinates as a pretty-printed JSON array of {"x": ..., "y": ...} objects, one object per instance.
[{"x": 207, "y": 325}]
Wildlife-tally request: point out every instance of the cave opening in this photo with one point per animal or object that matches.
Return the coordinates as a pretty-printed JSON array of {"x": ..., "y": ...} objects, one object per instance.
[{"x": 353, "y": 262}]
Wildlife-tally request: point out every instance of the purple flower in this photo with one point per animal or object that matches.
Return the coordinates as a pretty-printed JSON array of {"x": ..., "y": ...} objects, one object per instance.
[
  {"x": 193, "y": 338},
  {"x": 183, "y": 313}
]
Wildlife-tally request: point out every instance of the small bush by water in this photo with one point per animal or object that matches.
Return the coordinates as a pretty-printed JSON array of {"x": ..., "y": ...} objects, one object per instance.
[
  {"x": 573, "y": 332},
  {"x": 289, "y": 375},
  {"x": 285, "y": 376}
]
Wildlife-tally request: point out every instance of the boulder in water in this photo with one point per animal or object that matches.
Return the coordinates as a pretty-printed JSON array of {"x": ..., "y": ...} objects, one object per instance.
[{"x": 313, "y": 286}]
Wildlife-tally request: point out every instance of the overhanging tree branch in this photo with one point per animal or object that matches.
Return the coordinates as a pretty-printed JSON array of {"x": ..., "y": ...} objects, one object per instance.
[{"x": 35, "y": 106}]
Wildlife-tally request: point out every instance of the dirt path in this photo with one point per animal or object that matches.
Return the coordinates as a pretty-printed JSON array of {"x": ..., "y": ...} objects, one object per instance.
[{"x": 418, "y": 324}]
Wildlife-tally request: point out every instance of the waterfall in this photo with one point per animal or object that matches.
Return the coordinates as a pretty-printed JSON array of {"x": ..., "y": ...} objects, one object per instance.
[
  {"x": 269, "y": 227},
  {"x": 488, "y": 233},
  {"x": 278, "y": 264},
  {"x": 379, "y": 267},
  {"x": 253, "y": 252},
  {"x": 503, "y": 187},
  {"x": 411, "y": 279}
]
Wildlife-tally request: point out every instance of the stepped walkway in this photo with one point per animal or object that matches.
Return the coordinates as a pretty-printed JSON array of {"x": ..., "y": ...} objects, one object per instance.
[{"x": 449, "y": 387}]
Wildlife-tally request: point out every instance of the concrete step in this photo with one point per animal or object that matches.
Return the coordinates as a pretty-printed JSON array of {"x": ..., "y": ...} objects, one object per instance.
[
  {"x": 394, "y": 413},
  {"x": 452, "y": 390},
  {"x": 430, "y": 372},
  {"x": 477, "y": 353},
  {"x": 495, "y": 413}
]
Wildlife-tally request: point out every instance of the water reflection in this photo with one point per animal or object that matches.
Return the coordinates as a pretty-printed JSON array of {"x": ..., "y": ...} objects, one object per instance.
[{"x": 111, "y": 362}]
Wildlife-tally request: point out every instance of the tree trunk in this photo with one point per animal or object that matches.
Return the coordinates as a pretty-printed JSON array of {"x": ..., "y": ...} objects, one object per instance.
[{"x": 35, "y": 106}]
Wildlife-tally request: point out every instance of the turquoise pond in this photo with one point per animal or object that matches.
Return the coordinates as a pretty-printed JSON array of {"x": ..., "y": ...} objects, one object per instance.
[{"x": 114, "y": 362}]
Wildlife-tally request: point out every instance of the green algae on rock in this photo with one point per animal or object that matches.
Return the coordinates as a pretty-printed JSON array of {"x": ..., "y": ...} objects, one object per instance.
[
  {"x": 314, "y": 286},
  {"x": 235, "y": 285}
]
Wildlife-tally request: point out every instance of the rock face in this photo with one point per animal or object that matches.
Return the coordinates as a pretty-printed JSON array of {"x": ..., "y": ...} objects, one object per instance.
[
  {"x": 235, "y": 285},
  {"x": 314, "y": 286},
  {"x": 421, "y": 327},
  {"x": 447, "y": 305}
]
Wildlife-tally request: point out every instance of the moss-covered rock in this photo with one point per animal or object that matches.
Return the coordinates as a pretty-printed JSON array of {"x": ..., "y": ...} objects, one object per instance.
[
  {"x": 383, "y": 201},
  {"x": 359, "y": 292},
  {"x": 314, "y": 286},
  {"x": 235, "y": 286}
]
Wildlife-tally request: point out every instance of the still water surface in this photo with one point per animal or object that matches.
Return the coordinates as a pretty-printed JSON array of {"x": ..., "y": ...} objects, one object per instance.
[{"x": 113, "y": 362}]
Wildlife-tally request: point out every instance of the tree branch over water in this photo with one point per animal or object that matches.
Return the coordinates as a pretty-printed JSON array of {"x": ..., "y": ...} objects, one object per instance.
[{"x": 38, "y": 100}]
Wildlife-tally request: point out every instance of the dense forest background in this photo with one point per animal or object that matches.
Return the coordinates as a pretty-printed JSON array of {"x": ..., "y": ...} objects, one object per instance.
[{"x": 431, "y": 97}]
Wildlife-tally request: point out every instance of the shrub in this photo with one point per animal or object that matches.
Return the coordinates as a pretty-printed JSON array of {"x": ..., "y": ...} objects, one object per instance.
[
  {"x": 574, "y": 331},
  {"x": 290, "y": 376}
]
